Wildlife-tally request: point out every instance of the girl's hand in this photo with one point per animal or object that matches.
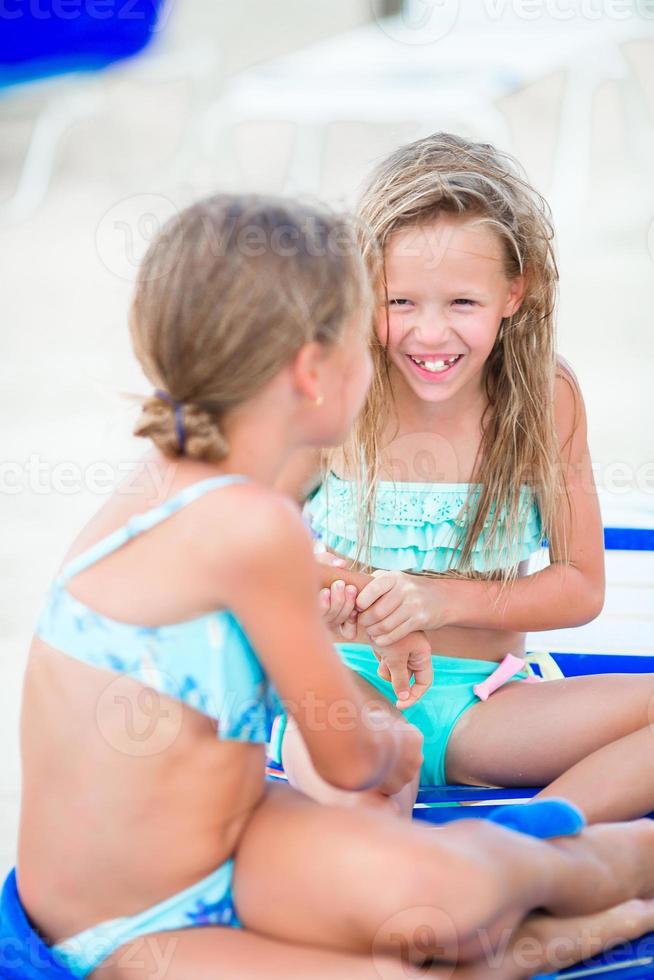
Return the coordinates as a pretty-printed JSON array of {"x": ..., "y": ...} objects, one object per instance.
[
  {"x": 338, "y": 602},
  {"x": 395, "y": 604},
  {"x": 401, "y": 661}
]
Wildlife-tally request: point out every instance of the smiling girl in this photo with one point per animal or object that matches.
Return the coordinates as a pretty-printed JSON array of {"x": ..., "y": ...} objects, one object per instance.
[
  {"x": 150, "y": 843},
  {"x": 470, "y": 450}
]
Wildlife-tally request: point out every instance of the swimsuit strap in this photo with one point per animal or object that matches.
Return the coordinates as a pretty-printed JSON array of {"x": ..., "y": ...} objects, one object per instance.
[{"x": 143, "y": 522}]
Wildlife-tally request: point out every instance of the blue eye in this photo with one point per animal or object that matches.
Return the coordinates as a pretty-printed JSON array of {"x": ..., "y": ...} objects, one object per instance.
[
  {"x": 468, "y": 302},
  {"x": 398, "y": 302}
]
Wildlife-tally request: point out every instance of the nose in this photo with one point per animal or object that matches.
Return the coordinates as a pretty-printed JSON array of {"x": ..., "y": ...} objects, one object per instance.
[{"x": 432, "y": 331}]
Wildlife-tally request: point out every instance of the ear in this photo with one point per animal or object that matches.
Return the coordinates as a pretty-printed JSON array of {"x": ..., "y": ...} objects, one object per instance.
[
  {"x": 517, "y": 289},
  {"x": 306, "y": 370}
]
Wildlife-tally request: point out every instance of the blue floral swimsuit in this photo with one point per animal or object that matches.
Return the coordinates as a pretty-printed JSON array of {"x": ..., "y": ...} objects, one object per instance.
[{"x": 209, "y": 664}]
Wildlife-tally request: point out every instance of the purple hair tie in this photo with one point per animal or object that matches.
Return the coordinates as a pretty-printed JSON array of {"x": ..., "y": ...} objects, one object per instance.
[{"x": 179, "y": 420}]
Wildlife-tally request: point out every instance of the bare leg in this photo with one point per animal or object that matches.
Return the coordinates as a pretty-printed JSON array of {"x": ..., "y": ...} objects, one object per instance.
[
  {"x": 368, "y": 877},
  {"x": 541, "y": 943},
  {"x": 595, "y": 784},
  {"x": 302, "y": 774},
  {"x": 209, "y": 953},
  {"x": 378, "y": 891},
  {"x": 588, "y": 739}
]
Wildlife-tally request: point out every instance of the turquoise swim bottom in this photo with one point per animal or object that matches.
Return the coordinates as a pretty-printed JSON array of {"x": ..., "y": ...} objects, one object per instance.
[
  {"x": 437, "y": 712},
  {"x": 439, "y": 709},
  {"x": 206, "y": 903}
]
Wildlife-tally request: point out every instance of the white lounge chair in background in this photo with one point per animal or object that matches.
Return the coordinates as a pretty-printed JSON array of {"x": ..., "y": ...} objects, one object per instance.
[{"x": 388, "y": 74}]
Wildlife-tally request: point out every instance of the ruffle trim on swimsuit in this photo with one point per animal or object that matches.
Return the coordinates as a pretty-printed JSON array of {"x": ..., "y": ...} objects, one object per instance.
[{"x": 418, "y": 526}]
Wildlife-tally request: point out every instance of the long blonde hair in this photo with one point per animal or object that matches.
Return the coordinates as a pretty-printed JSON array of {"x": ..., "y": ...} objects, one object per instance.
[
  {"x": 445, "y": 174},
  {"x": 227, "y": 293}
]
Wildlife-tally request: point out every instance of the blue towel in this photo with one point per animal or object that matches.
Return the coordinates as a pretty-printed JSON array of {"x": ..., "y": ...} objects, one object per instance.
[{"x": 23, "y": 954}]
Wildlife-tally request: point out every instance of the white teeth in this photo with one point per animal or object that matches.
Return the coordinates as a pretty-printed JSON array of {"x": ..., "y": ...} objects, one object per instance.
[{"x": 435, "y": 366}]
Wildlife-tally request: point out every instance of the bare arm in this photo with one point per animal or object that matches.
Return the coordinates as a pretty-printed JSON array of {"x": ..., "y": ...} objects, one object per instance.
[
  {"x": 569, "y": 592},
  {"x": 277, "y": 604},
  {"x": 410, "y": 656}
]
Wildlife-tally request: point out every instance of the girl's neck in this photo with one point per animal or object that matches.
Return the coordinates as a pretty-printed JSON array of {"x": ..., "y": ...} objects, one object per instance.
[{"x": 464, "y": 409}]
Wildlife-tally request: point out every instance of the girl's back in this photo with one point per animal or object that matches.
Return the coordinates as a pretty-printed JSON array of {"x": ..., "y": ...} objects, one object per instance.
[{"x": 169, "y": 786}]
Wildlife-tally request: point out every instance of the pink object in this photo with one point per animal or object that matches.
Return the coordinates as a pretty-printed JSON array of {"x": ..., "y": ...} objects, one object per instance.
[{"x": 508, "y": 668}]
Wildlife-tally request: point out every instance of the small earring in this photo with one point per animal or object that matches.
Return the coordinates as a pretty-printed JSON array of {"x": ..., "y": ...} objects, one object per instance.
[{"x": 319, "y": 400}]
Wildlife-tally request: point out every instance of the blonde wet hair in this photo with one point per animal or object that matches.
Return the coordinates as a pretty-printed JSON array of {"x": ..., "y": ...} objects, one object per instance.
[
  {"x": 228, "y": 292},
  {"x": 445, "y": 174}
]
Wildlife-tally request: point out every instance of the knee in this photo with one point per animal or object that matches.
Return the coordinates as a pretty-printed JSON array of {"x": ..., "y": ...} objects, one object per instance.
[
  {"x": 300, "y": 770},
  {"x": 303, "y": 776},
  {"x": 293, "y": 754}
]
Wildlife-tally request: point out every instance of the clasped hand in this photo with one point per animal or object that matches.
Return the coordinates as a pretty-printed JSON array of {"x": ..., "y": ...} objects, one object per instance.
[
  {"x": 397, "y": 640},
  {"x": 395, "y": 604}
]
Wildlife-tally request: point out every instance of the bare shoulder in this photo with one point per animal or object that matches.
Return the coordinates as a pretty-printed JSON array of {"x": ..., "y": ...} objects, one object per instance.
[
  {"x": 564, "y": 370},
  {"x": 260, "y": 527},
  {"x": 569, "y": 408}
]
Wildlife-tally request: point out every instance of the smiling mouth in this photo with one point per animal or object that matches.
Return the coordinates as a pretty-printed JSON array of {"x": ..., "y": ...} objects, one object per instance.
[{"x": 435, "y": 367}]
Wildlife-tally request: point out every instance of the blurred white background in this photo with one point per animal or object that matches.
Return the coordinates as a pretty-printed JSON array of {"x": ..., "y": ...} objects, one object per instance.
[{"x": 299, "y": 96}]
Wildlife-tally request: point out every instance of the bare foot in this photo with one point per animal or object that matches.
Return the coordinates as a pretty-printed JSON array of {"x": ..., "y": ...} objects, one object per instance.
[
  {"x": 560, "y": 943},
  {"x": 546, "y": 943},
  {"x": 614, "y": 862}
]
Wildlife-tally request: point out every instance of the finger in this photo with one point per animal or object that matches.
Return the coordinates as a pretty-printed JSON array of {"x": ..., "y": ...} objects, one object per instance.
[
  {"x": 348, "y": 606},
  {"x": 396, "y": 634},
  {"x": 334, "y": 602},
  {"x": 385, "y": 625},
  {"x": 337, "y": 601},
  {"x": 383, "y": 670},
  {"x": 349, "y": 630},
  {"x": 326, "y": 558},
  {"x": 423, "y": 679},
  {"x": 383, "y": 607},
  {"x": 373, "y": 590},
  {"x": 400, "y": 681}
]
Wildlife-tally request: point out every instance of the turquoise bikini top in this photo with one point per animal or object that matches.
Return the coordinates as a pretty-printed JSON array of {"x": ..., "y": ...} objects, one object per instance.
[
  {"x": 417, "y": 526},
  {"x": 206, "y": 662}
]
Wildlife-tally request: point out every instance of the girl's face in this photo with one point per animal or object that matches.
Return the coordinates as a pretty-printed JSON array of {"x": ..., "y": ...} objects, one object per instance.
[{"x": 447, "y": 295}]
